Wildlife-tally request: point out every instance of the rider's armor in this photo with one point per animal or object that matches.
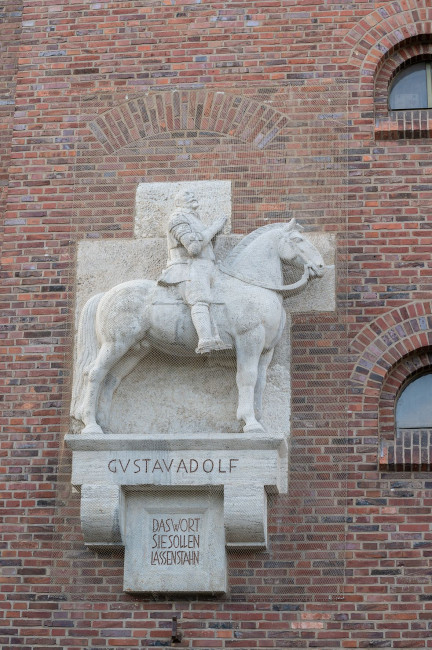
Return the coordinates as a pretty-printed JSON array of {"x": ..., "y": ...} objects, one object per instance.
[
  {"x": 191, "y": 265},
  {"x": 185, "y": 248}
]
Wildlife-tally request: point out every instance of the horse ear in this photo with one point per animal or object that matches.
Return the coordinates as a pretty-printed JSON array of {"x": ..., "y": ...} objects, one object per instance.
[{"x": 293, "y": 225}]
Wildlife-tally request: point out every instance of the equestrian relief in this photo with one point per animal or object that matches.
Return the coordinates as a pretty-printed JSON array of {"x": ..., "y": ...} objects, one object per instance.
[{"x": 196, "y": 307}]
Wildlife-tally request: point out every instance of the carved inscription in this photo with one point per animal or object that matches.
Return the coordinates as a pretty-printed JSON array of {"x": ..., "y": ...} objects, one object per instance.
[
  {"x": 163, "y": 466},
  {"x": 176, "y": 541}
]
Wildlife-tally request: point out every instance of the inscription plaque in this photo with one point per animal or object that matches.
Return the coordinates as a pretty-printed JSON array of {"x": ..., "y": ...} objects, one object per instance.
[{"x": 175, "y": 542}]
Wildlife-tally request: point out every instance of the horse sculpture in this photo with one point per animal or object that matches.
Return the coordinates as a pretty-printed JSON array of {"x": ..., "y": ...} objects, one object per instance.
[{"x": 120, "y": 327}]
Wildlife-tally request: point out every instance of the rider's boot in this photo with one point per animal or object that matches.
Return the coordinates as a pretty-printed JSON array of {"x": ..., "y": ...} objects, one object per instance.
[{"x": 207, "y": 342}]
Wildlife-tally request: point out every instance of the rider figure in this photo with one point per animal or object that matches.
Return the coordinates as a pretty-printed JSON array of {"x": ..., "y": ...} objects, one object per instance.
[{"x": 191, "y": 265}]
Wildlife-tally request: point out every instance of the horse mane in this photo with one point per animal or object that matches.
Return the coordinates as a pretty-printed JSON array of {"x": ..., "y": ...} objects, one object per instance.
[{"x": 244, "y": 243}]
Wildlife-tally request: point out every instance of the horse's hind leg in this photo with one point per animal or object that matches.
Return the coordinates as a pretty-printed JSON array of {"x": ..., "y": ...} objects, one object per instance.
[
  {"x": 115, "y": 376},
  {"x": 108, "y": 355}
]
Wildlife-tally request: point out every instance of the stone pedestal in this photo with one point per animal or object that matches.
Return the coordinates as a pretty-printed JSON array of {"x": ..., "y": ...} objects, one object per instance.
[{"x": 175, "y": 504}]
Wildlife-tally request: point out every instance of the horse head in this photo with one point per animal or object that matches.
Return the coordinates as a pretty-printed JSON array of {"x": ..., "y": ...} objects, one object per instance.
[{"x": 295, "y": 248}]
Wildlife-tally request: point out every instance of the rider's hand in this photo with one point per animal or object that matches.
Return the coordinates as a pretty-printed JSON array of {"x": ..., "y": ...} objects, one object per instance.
[
  {"x": 220, "y": 222},
  {"x": 194, "y": 248}
]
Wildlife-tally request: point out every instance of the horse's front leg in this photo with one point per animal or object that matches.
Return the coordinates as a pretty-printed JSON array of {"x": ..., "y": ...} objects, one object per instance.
[
  {"x": 108, "y": 355},
  {"x": 260, "y": 385},
  {"x": 248, "y": 347}
]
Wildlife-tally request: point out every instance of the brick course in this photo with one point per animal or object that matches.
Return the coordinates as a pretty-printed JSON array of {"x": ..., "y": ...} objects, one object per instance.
[{"x": 279, "y": 98}]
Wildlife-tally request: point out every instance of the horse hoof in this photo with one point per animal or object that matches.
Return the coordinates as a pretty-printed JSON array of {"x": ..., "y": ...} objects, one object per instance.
[
  {"x": 253, "y": 428},
  {"x": 92, "y": 429}
]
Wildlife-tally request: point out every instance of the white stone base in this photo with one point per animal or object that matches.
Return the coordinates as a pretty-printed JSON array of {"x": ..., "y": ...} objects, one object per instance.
[{"x": 135, "y": 492}]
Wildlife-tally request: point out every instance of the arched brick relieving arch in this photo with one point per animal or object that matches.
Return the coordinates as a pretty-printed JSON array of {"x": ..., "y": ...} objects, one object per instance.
[
  {"x": 381, "y": 31},
  {"x": 196, "y": 110},
  {"x": 407, "y": 53},
  {"x": 388, "y": 350},
  {"x": 381, "y": 344}
]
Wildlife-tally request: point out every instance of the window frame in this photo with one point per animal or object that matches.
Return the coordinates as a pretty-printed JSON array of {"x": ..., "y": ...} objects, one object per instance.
[
  {"x": 418, "y": 375},
  {"x": 403, "y": 449},
  {"x": 428, "y": 69}
]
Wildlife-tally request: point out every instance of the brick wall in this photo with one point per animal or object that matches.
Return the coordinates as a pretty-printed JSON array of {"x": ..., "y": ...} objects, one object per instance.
[
  {"x": 109, "y": 94},
  {"x": 10, "y": 29}
]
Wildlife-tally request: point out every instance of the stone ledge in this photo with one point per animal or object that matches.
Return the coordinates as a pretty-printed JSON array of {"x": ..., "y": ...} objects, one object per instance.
[
  {"x": 185, "y": 467},
  {"x": 180, "y": 441}
]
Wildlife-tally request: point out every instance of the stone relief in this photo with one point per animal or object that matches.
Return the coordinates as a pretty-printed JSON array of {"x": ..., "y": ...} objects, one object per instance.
[
  {"x": 174, "y": 483},
  {"x": 195, "y": 307}
]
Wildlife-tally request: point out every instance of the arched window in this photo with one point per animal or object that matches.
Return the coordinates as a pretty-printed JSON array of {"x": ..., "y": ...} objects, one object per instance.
[
  {"x": 414, "y": 406},
  {"x": 412, "y": 87},
  {"x": 403, "y": 91},
  {"x": 405, "y": 413}
]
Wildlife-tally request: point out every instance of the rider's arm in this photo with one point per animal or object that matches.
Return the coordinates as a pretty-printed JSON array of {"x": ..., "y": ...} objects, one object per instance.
[
  {"x": 193, "y": 243},
  {"x": 191, "y": 239},
  {"x": 214, "y": 228}
]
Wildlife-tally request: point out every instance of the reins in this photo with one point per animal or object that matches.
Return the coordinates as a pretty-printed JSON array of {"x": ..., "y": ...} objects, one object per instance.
[{"x": 285, "y": 288}]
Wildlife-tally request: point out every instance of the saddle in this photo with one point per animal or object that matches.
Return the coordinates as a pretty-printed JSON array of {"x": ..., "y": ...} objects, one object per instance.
[
  {"x": 167, "y": 294},
  {"x": 170, "y": 294}
]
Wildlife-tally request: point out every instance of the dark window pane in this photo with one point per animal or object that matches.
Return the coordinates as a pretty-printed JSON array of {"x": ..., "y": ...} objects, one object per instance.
[
  {"x": 409, "y": 89},
  {"x": 414, "y": 407}
]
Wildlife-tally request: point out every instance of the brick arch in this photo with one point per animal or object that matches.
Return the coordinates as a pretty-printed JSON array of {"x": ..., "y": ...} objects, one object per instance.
[
  {"x": 407, "y": 369},
  {"x": 208, "y": 111},
  {"x": 407, "y": 53},
  {"x": 389, "y": 350},
  {"x": 381, "y": 344},
  {"x": 381, "y": 31},
  {"x": 372, "y": 41}
]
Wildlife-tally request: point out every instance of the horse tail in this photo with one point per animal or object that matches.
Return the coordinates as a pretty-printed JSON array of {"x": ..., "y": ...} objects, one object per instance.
[{"x": 87, "y": 348}]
